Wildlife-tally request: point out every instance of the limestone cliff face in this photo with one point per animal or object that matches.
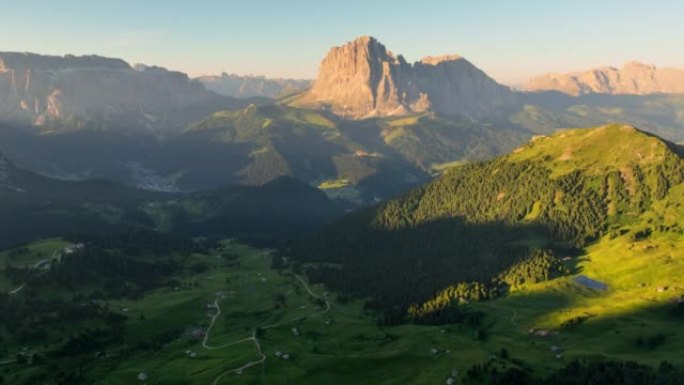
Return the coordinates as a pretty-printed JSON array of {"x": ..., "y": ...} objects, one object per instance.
[
  {"x": 363, "y": 79},
  {"x": 47, "y": 89},
  {"x": 633, "y": 78}
]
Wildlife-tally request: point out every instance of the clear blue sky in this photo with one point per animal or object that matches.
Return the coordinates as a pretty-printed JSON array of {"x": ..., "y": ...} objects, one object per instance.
[{"x": 511, "y": 40}]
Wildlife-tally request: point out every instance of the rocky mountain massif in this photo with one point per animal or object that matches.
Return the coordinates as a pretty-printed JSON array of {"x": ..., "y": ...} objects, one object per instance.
[
  {"x": 92, "y": 117},
  {"x": 253, "y": 86},
  {"x": 71, "y": 92},
  {"x": 633, "y": 78},
  {"x": 363, "y": 79}
]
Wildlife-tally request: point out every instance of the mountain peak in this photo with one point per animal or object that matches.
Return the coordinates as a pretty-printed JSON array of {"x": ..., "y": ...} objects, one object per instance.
[
  {"x": 363, "y": 47},
  {"x": 365, "y": 39},
  {"x": 362, "y": 79}
]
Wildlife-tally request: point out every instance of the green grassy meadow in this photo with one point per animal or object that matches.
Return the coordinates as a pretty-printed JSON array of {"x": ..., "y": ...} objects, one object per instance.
[{"x": 342, "y": 344}]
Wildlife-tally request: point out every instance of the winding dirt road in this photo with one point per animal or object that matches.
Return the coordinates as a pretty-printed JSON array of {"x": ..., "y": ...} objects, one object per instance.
[
  {"x": 15, "y": 291},
  {"x": 254, "y": 338}
]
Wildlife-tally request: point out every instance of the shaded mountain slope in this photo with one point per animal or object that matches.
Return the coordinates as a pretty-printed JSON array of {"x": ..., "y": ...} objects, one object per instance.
[
  {"x": 282, "y": 209},
  {"x": 34, "y": 206}
]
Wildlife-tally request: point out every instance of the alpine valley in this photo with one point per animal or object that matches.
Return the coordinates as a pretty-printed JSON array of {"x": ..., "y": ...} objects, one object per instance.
[
  {"x": 369, "y": 127},
  {"x": 388, "y": 222}
]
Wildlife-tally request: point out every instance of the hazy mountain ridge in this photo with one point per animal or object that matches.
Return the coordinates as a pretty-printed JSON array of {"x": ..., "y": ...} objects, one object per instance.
[
  {"x": 545, "y": 112},
  {"x": 248, "y": 86},
  {"x": 632, "y": 78}
]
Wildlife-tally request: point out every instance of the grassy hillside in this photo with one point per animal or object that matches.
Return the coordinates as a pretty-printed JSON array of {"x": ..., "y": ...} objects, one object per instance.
[
  {"x": 379, "y": 157},
  {"x": 477, "y": 231},
  {"x": 428, "y": 140},
  {"x": 611, "y": 147}
]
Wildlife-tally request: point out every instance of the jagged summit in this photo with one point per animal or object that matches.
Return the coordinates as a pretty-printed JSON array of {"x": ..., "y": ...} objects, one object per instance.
[
  {"x": 362, "y": 78},
  {"x": 632, "y": 78},
  {"x": 436, "y": 60},
  {"x": 366, "y": 43}
]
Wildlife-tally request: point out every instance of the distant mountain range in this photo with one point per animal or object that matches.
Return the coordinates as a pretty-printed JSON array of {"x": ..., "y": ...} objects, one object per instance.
[
  {"x": 633, "y": 78},
  {"x": 253, "y": 86}
]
